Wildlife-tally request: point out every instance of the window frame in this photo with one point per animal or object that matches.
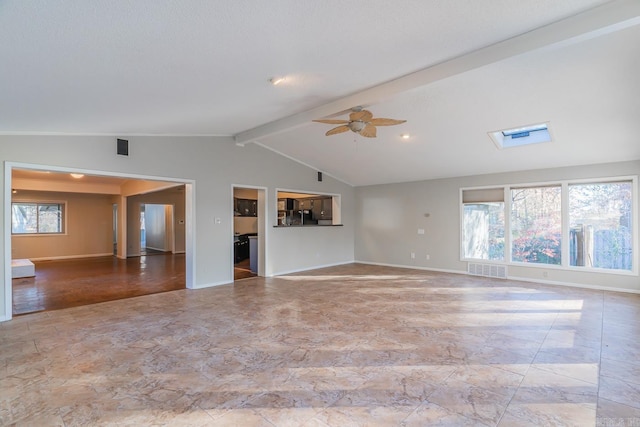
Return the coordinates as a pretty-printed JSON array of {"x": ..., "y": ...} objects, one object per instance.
[
  {"x": 565, "y": 220},
  {"x": 38, "y": 203},
  {"x": 509, "y": 230},
  {"x": 488, "y": 191}
]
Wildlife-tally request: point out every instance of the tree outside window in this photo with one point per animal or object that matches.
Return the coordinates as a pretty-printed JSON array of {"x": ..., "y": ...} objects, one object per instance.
[
  {"x": 37, "y": 218},
  {"x": 600, "y": 225},
  {"x": 599, "y": 217},
  {"x": 483, "y": 230},
  {"x": 536, "y": 225}
]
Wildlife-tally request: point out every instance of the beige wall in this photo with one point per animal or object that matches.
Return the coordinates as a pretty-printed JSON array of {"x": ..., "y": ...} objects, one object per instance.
[
  {"x": 245, "y": 224},
  {"x": 388, "y": 218},
  {"x": 89, "y": 228},
  {"x": 245, "y": 193}
]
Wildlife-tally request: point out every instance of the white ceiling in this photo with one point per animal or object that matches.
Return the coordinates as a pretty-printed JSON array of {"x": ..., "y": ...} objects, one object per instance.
[
  {"x": 201, "y": 67},
  {"x": 21, "y": 175}
]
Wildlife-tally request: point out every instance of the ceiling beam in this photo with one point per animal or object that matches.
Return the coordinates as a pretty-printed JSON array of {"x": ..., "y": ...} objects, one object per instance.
[{"x": 605, "y": 19}]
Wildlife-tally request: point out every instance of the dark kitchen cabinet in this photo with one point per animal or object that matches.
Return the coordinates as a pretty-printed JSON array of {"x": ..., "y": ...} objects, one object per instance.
[
  {"x": 241, "y": 249},
  {"x": 246, "y": 207}
]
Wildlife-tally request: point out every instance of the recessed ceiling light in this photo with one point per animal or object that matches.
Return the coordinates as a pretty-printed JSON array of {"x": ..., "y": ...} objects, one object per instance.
[
  {"x": 405, "y": 136},
  {"x": 77, "y": 175},
  {"x": 277, "y": 80}
]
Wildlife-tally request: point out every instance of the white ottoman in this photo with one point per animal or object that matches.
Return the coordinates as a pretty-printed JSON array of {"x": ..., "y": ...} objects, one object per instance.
[{"x": 22, "y": 268}]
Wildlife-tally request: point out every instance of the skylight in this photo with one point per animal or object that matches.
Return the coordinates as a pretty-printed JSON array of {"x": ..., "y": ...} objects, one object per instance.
[{"x": 525, "y": 135}]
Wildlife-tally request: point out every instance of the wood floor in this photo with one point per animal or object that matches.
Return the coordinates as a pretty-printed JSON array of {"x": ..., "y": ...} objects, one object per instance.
[
  {"x": 352, "y": 345},
  {"x": 71, "y": 283},
  {"x": 242, "y": 270}
]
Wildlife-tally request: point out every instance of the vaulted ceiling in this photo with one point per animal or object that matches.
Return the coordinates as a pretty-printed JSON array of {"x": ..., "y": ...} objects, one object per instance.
[{"x": 455, "y": 70}]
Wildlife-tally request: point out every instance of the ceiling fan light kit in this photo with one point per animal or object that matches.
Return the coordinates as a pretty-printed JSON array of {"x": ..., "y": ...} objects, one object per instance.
[
  {"x": 361, "y": 122},
  {"x": 275, "y": 81}
]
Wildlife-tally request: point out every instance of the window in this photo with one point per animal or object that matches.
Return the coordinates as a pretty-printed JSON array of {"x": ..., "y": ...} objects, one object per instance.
[
  {"x": 483, "y": 224},
  {"x": 536, "y": 225},
  {"x": 600, "y": 225},
  {"x": 37, "y": 218},
  {"x": 573, "y": 225}
]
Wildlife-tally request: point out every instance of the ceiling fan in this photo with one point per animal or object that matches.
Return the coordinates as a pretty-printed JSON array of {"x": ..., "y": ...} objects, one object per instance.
[{"x": 360, "y": 121}]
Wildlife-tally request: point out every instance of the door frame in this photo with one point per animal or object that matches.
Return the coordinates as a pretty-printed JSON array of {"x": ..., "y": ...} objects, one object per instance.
[
  {"x": 169, "y": 229},
  {"x": 190, "y": 258},
  {"x": 263, "y": 234}
]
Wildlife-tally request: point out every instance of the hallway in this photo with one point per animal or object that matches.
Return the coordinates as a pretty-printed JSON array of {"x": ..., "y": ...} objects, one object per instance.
[{"x": 71, "y": 283}]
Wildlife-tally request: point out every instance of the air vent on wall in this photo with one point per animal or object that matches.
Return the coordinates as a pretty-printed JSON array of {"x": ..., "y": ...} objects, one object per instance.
[
  {"x": 487, "y": 270},
  {"x": 122, "y": 147}
]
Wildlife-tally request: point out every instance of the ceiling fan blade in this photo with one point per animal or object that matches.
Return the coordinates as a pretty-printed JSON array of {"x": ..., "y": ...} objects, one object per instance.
[
  {"x": 362, "y": 115},
  {"x": 332, "y": 121},
  {"x": 338, "y": 129},
  {"x": 386, "y": 122},
  {"x": 369, "y": 131}
]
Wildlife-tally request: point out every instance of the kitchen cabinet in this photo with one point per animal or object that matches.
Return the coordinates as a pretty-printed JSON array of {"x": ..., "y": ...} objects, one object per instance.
[
  {"x": 241, "y": 249},
  {"x": 246, "y": 207},
  {"x": 285, "y": 204},
  {"x": 302, "y": 204}
]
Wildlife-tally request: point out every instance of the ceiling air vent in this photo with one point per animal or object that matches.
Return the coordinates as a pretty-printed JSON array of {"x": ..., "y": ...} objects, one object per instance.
[{"x": 525, "y": 135}]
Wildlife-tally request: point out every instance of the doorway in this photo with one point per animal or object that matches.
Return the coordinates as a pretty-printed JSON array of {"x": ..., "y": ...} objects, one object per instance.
[
  {"x": 249, "y": 231},
  {"x": 157, "y": 234},
  {"x": 115, "y": 229},
  {"x": 181, "y": 260}
]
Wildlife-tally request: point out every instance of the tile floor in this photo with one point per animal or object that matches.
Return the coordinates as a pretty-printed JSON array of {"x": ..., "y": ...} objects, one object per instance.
[{"x": 354, "y": 345}]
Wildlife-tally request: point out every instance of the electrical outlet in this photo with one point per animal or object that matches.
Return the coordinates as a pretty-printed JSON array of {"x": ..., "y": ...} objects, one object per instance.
[
  {"x": 428, "y": 257},
  {"x": 413, "y": 255},
  {"x": 420, "y": 230},
  {"x": 545, "y": 274}
]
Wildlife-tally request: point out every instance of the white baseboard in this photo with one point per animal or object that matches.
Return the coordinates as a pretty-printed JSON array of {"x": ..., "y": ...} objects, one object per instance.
[
  {"x": 413, "y": 267},
  {"x": 514, "y": 278},
  {"x": 573, "y": 285},
  {"x": 211, "y": 285},
  {"x": 282, "y": 273},
  {"x": 53, "y": 258}
]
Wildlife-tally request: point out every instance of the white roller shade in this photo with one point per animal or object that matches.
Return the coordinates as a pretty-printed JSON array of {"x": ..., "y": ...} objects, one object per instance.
[{"x": 483, "y": 195}]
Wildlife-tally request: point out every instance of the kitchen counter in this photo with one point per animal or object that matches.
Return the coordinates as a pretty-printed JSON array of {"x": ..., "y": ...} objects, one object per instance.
[{"x": 307, "y": 226}]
